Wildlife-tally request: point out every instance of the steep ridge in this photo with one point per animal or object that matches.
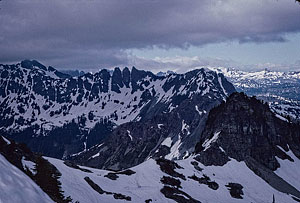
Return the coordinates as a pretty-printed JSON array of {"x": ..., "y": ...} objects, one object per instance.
[
  {"x": 60, "y": 115},
  {"x": 26, "y": 176},
  {"x": 17, "y": 187}
]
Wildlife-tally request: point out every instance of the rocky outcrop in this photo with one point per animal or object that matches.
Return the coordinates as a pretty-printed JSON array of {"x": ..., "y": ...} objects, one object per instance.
[{"x": 245, "y": 127}]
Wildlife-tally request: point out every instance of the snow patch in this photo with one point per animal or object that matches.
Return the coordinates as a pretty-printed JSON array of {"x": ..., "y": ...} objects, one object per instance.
[
  {"x": 28, "y": 164},
  {"x": 281, "y": 117},
  {"x": 221, "y": 85},
  {"x": 208, "y": 142},
  {"x": 6, "y": 140},
  {"x": 185, "y": 127},
  {"x": 288, "y": 170},
  {"x": 128, "y": 132},
  {"x": 94, "y": 156},
  {"x": 174, "y": 150},
  {"x": 167, "y": 142},
  {"x": 221, "y": 149},
  {"x": 160, "y": 125}
]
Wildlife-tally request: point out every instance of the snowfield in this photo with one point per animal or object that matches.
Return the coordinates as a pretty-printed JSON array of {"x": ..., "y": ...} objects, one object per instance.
[
  {"x": 146, "y": 183},
  {"x": 17, "y": 187}
]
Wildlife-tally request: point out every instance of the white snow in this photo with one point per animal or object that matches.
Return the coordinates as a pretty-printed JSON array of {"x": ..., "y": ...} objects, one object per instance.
[
  {"x": 208, "y": 142},
  {"x": 255, "y": 189},
  {"x": 130, "y": 136},
  {"x": 220, "y": 82},
  {"x": 167, "y": 142},
  {"x": 6, "y": 140},
  {"x": 185, "y": 128},
  {"x": 205, "y": 91},
  {"x": 289, "y": 171},
  {"x": 221, "y": 149},
  {"x": 197, "y": 109},
  {"x": 159, "y": 126},
  {"x": 282, "y": 118},
  {"x": 174, "y": 151},
  {"x": 28, "y": 164},
  {"x": 17, "y": 187},
  {"x": 94, "y": 156},
  {"x": 146, "y": 183}
]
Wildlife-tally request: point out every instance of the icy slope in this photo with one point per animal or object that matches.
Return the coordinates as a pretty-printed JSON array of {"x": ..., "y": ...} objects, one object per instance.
[{"x": 17, "y": 187}]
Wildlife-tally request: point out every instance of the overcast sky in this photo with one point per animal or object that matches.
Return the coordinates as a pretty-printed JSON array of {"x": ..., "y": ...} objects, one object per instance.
[{"x": 152, "y": 34}]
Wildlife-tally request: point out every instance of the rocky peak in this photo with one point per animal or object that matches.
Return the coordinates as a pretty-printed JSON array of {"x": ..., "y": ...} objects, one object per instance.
[
  {"x": 244, "y": 127},
  {"x": 30, "y": 64}
]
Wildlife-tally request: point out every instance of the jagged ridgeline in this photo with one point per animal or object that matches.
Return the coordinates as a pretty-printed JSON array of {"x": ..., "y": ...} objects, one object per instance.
[{"x": 60, "y": 116}]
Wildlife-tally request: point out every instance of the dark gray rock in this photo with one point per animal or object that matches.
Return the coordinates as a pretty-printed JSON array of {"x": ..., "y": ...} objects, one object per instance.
[{"x": 247, "y": 129}]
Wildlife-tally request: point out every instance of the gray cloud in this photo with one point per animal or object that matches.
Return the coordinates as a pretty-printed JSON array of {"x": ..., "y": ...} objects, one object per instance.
[
  {"x": 98, "y": 33},
  {"x": 181, "y": 64}
]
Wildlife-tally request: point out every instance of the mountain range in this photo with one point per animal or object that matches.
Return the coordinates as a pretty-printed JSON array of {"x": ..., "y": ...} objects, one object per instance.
[
  {"x": 280, "y": 89},
  {"x": 60, "y": 116},
  {"x": 131, "y": 135}
]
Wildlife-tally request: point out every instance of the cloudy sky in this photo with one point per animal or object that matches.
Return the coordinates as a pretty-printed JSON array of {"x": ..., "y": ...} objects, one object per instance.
[{"x": 152, "y": 34}]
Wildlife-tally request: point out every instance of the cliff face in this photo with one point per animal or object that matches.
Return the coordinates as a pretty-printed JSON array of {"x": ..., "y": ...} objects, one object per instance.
[{"x": 244, "y": 129}]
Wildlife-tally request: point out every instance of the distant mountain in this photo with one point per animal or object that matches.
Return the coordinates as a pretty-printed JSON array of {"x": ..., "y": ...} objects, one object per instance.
[
  {"x": 73, "y": 73},
  {"x": 165, "y": 73},
  {"x": 246, "y": 153},
  {"x": 60, "y": 115},
  {"x": 280, "y": 89}
]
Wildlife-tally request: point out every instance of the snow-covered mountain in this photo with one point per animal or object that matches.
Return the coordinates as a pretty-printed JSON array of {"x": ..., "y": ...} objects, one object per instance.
[
  {"x": 60, "y": 115},
  {"x": 245, "y": 154},
  {"x": 280, "y": 89}
]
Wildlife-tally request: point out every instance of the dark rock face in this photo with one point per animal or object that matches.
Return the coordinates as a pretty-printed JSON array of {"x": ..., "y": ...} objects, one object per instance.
[
  {"x": 236, "y": 190},
  {"x": 168, "y": 167},
  {"x": 117, "y": 80},
  {"x": 244, "y": 127},
  {"x": 205, "y": 180},
  {"x": 177, "y": 195},
  {"x": 98, "y": 189},
  {"x": 171, "y": 181},
  {"x": 114, "y": 176}
]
